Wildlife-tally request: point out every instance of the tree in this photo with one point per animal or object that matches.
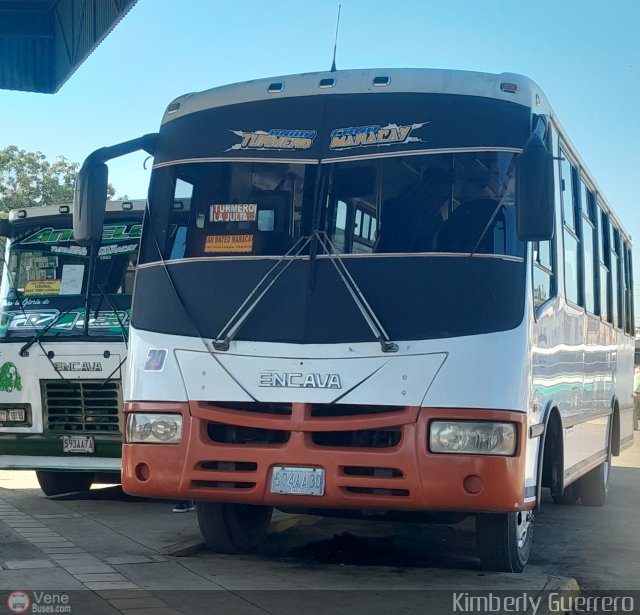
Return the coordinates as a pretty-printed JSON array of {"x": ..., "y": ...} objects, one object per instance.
[{"x": 28, "y": 178}]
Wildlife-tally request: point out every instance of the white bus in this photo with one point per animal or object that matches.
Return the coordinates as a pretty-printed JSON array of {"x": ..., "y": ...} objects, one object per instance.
[
  {"x": 63, "y": 337},
  {"x": 395, "y": 291}
]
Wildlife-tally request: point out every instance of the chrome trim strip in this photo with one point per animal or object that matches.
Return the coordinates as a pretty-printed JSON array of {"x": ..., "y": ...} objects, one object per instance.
[
  {"x": 170, "y": 163},
  {"x": 392, "y": 154},
  {"x": 178, "y": 261},
  {"x": 570, "y": 421},
  {"x": 427, "y": 152}
]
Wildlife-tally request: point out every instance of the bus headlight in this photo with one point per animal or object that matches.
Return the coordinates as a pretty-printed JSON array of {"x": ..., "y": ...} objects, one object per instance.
[
  {"x": 472, "y": 437},
  {"x": 154, "y": 428},
  {"x": 15, "y": 416}
]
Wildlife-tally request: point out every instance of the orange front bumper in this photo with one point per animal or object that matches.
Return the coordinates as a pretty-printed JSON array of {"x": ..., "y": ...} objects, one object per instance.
[{"x": 405, "y": 476}]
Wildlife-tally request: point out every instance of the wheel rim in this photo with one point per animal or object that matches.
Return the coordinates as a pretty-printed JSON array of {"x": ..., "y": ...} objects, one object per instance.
[{"x": 523, "y": 526}]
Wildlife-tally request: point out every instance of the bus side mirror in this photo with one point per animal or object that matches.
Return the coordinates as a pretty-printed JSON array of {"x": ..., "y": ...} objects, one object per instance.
[
  {"x": 5, "y": 228},
  {"x": 89, "y": 198},
  {"x": 534, "y": 191}
]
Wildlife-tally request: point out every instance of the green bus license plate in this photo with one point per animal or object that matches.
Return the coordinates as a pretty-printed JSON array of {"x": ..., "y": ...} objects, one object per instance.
[
  {"x": 297, "y": 481},
  {"x": 78, "y": 444}
]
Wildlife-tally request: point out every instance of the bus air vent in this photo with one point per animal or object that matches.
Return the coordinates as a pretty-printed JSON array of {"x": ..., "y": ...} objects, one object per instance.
[
  {"x": 381, "y": 81},
  {"x": 510, "y": 88},
  {"x": 377, "y": 491},
  {"x": 237, "y": 434},
  {"x": 362, "y": 438},
  {"x": 327, "y": 83},
  {"x": 82, "y": 406},
  {"x": 279, "y": 409},
  {"x": 335, "y": 410}
]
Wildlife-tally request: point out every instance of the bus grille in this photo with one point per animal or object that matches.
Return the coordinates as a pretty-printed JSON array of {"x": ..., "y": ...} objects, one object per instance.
[
  {"x": 82, "y": 406},
  {"x": 327, "y": 425}
]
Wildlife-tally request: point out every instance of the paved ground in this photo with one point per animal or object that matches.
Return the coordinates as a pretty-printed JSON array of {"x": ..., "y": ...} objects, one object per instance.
[{"x": 125, "y": 551}]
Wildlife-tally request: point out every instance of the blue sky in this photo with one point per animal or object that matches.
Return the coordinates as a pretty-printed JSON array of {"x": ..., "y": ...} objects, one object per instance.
[{"x": 585, "y": 54}]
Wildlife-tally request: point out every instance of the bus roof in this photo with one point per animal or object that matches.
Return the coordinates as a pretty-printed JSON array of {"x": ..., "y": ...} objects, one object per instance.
[
  {"x": 40, "y": 211},
  {"x": 505, "y": 86}
]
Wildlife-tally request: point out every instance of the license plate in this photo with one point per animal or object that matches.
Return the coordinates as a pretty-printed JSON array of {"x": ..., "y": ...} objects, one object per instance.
[
  {"x": 297, "y": 481},
  {"x": 78, "y": 444}
]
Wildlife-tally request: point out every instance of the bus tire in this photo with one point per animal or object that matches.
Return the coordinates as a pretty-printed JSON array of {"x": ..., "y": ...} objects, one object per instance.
[
  {"x": 504, "y": 540},
  {"x": 233, "y": 528},
  {"x": 57, "y": 483},
  {"x": 569, "y": 496},
  {"x": 594, "y": 486}
]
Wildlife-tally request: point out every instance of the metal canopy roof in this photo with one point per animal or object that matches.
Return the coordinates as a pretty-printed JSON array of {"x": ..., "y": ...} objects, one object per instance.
[{"x": 42, "y": 42}]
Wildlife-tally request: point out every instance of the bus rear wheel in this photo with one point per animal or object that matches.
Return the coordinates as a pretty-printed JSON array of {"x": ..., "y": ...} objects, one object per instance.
[
  {"x": 233, "y": 528},
  {"x": 570, "y": 495},
  {"x": 57, "y": 483},
  {"x": 594, "y": 486},
  {"x": 504, "y": 540}
]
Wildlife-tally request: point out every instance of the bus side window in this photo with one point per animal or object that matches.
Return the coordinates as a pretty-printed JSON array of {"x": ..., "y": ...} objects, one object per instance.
[
  {"x": 364, "y": 230},
  {"x": 272, "y": 229},
  {"x": 571, "y": 235},
  {"x": 129, "y": 276},
  {"x": 589, "y": 242},
  {"x": 179, "y": 246},
  {"x": 604, "y": 257},
  {"x": 542, "y": 272},
  {"x": 340, "y": 227}
]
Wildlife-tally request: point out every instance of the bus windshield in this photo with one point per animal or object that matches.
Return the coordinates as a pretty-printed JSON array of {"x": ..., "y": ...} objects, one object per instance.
[
  {"x": 437, "y": 230},
  {"x": 45, "y": 280},
  {"x": 438, "y": 203}
]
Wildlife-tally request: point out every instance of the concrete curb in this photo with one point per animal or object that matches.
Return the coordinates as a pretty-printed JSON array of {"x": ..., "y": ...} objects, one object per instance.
[{"x": 565, "y": 586}]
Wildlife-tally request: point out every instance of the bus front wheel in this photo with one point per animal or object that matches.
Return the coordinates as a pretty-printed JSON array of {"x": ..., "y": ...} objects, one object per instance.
[
  {"x": 504, "y": 540},
  {"x": 57, "y": 483},
  {"x": 233, "y": 528}
]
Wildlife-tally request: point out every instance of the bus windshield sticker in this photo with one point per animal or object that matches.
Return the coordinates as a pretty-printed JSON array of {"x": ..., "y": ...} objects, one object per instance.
[
  {"x": 228, "y": 243},
  {"x": 116, "y": 249},
  {"x": 155, "y": 359},
  {"x": 42, "y": 287},
  {"x": 358, "y": 136},
  {"x": 233, "y": 212},
  {"x": 72, "y": 276},
  {"x": 274, "y": 139},
  {"x": 124, "y": 231},
  {"x": 73, "y": 250},
  {"x": 10, "y": 378}
]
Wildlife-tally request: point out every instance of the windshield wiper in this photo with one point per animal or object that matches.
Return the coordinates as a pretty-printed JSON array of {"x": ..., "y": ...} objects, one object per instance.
[
  {"x": 42, "y": 332},
  {"x": 229, "y": 331},
  {"x": 123, "y": 329},
  {"x": 39, "y": 334},
  {"x": 356, "y": 294}
]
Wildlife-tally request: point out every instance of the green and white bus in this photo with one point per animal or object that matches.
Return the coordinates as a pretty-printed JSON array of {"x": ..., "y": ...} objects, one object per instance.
[{"x": 63, "y": 338}]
